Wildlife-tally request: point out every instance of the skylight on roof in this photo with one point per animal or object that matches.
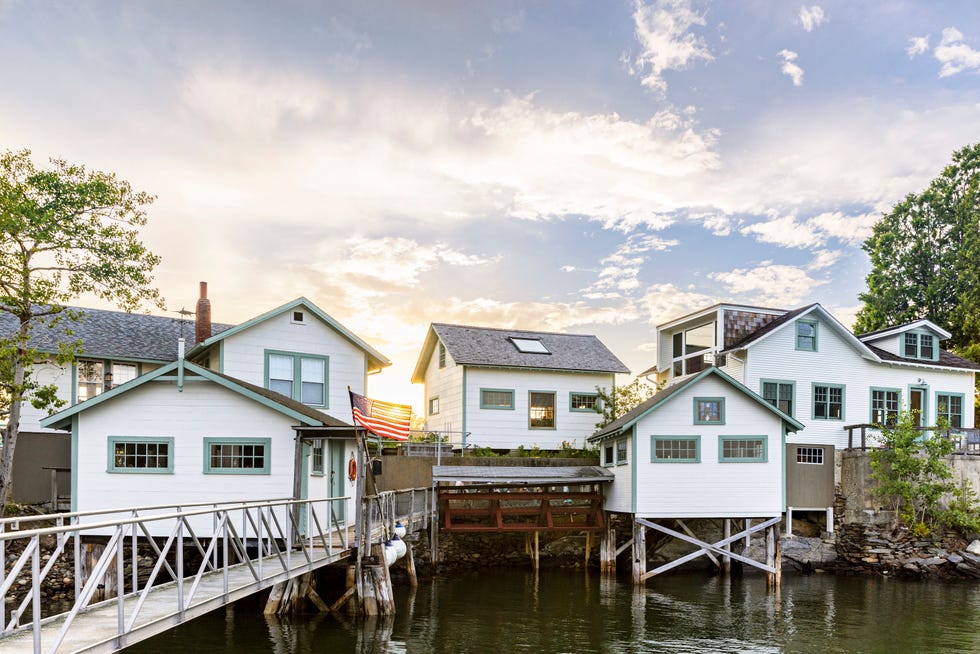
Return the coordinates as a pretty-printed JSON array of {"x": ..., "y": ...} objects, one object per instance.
[{"x": 529, "y": 345}]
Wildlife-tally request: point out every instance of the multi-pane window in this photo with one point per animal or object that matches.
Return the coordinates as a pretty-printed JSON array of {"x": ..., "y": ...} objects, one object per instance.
[
  {"x": 442, "y": 355},
  {"x": 496, "y": 398},
  {"x": 809, "y": 455},
  {"x": 742, "y": 449},
  {"x": 676, "y": 449},
  {"x": 779, "y": 394},
  {"x": 90, "y": 379},
  {"x": 621, "y": 456},
  {"x": 920, "y": 346},
  {"x": 709, "y": 410},
  {"x": 950, "y": 408},
  {"x": 433, "y": 405},
  {"x": 828, "y": 402},
  {"x": 584, "y": 402},
  {"x": 806, "y": 335},
  {"x": 884, "y": 406},
  {"x": 237, "y": 455},
  {"x": 316, "y": 465},
  {"x": 690, "y": 347},
  {"x": 541, "y": 410},
  {"x": 302, "y": 377},
  {"x": 140, "y": 454},
  {"x": 122, "y": 373}
]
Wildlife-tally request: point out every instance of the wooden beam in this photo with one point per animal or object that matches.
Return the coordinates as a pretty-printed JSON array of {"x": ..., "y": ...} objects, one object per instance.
[{"x": 687, "y": 530}]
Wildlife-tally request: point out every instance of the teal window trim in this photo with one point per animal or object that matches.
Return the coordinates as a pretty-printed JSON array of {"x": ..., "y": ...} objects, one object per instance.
[
  {"x": 917, "y": 337},
  {"x": 946, "y": 413},
  {"x": 699, "y": 412},
  {"x": 298, "y": 357},
  {"x": 433, "y": 402},
  {"x": 608, "y": 454},
  {"x": 624, "y": 450},
  {"x": 267, "y": 456},
  {"x": 813, "y": 401},
  {"x": 871, "y": 402},
  {"x": 317, "y": 460},
  {"x": 571, "y": 403},
  {"x": 743, "y": 459},
  {"x": 813, "y": 347},
  {"x": 779, "y": 394},
  {"x": 112, "y": 441},
  {"x": 665, "y": 439},
  {"x": 554, "y": 409},
  {"x": 497, "y": 407}
]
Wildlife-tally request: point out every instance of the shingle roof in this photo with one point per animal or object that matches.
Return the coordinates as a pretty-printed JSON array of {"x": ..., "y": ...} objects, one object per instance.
[
  {"x": 485, "y": 346},
  {"x": 946, "y": 359},
  {"x": 523, "y": 474},
  {"x": 115, "y": 334}
]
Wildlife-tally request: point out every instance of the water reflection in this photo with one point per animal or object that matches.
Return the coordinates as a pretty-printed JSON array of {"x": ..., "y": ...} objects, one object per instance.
[{"x": 557, "y": 612}]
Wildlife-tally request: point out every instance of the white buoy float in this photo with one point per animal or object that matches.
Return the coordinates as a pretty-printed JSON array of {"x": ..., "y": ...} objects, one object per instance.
[
  {"x": 391, "y": 553},
  {"x": 399, "y": 546},
  {"x": 400, "y": 530}
]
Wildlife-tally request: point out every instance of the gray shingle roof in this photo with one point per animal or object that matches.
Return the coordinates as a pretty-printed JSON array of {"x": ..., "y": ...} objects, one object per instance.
[
  {"x": 946, "y": 358},
  {"x": 115, "y": 334},
  {"x": 485, "y": 346},
  {"x": 522, "y": 474}
]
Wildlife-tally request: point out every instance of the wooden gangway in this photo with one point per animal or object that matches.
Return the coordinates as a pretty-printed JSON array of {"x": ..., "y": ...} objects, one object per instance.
[{"x": 250, "y": 547}]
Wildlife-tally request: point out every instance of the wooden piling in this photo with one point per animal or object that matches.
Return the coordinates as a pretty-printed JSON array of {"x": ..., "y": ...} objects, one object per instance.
[
  {"x": 726, "y": 561},
  {"x": 770, "y": 557},
  {"x": 91, "y": 553},
  {"x": 639, "y": 552},
  {"x": 413, "y": 579},
  {"x": 588, "y": 547},
  {"x": 607, "y": 549}
]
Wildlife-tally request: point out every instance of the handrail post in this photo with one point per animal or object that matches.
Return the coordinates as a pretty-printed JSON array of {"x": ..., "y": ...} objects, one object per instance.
[
  {"x": 180, "y": 565},
  {"x": 224, "y": 554},
  {"x": 120, "y": 588},
  {"x": 36, "y": 590}
]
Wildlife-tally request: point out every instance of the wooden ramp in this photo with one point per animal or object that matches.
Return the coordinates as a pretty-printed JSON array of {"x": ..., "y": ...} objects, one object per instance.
[{"x": 96, "y": 629}]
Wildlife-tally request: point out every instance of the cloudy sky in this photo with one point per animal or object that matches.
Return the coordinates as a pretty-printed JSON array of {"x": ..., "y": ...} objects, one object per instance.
[{"x": 592, "y": 167}]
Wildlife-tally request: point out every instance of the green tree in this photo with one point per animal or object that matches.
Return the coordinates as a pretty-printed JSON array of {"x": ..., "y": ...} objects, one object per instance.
[
  {"x": 915, "y": 479},
  {"x": 65, "y": 232},
  {"x": 622, "y": 399},
  {"x": 924, "y": 257}
]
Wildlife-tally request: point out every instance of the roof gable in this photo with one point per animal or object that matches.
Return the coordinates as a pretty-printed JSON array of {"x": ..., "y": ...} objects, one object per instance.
[
  {"x": 888, "y": 332},
  {"x": 493, "y": 347},
  {"x": 810, "y": 311},
  {"x": 630, "y": 418},
  {"x": 183, "y": 369},
  {"x": 376, "y": 360}
]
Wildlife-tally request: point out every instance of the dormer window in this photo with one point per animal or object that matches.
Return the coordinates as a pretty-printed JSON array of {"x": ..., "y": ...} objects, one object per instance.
[
  {"x": 919, "y": 346},
  {"x": 299, "y": 317},
  {"x": 529, "y": 345}
]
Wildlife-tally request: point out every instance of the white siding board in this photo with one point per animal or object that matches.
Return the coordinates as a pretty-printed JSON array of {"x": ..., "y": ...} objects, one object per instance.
[
  {"x": 836, "y": 362},
  {"x": 244, "y": 356},
  {"x": 619, "y": 494},
  {"x": 500, "y": 428},
  {"x": 709, "y": 488},
  {"x": 446, "y": 384}
]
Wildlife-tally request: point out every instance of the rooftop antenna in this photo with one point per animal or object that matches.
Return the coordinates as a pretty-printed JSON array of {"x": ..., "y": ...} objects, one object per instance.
[{"x": 183, "y": 318}]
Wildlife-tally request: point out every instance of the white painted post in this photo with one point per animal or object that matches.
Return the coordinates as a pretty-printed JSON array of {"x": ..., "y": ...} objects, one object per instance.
[
  {"x": 789, "y": 521},
  {"x": 830, "y": 519}
]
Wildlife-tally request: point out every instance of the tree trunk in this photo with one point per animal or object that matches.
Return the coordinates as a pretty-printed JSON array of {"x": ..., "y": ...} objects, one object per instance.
[{"x": 13, "y": 418}]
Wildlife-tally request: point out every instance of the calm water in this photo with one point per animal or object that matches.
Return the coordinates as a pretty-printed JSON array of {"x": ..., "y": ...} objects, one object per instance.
[{"x": 504, "y": 611}]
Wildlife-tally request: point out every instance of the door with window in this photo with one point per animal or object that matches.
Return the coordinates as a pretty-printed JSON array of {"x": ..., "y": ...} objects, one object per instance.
[
  {"x": 338, "y": 476},
  {"x": 917, "y": 405}
]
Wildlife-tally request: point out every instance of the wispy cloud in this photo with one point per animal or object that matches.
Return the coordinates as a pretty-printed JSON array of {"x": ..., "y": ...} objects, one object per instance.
[
  {"x": 663, "y": 29},
  {"x": 769, "y": 284},
  {"x": 954, "y": 54},
  {"x": 813, "y": 233},
  {"x": 620, "y": 272},
  {"x": 790, "y": 68},
  {"x": 917, "y": 45},
  {"x": 812, "y": 17}
]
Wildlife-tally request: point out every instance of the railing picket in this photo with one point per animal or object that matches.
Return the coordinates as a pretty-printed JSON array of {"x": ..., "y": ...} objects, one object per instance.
[{"x": 36, "y": 590}]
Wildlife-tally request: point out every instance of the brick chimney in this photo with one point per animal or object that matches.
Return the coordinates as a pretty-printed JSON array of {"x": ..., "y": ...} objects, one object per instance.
[{"x": 202, "y": 316}]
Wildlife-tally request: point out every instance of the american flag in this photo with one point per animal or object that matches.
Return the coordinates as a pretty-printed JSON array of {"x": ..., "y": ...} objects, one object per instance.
[{"x": 382, "y": 419}]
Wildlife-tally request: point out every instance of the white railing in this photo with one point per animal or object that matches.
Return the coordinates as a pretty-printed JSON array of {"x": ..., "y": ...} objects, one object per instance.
[
  {"x": 411, "y": 506},
  {"x": 264, "y": 537}
]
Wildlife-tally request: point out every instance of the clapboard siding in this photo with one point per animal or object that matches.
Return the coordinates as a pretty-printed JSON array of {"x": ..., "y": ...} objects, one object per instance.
[
  {"x": 446, "y": 384},
  {"x": 244, "y": 356},
  {"x": 837, "y": 362},
  {"x": 619, "y": 494},
  {"x": 501, "y": 428},
  {"x": 708, "y": 488}
]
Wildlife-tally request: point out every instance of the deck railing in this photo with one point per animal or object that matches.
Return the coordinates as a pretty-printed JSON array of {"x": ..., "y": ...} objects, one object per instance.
[
  {"x": 242, "y": 534},
  {"x": 868, "y": 436}
]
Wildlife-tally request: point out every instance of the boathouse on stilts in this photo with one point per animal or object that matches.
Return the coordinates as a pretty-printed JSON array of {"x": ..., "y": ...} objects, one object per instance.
[{"x": 702, "y": 461}]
